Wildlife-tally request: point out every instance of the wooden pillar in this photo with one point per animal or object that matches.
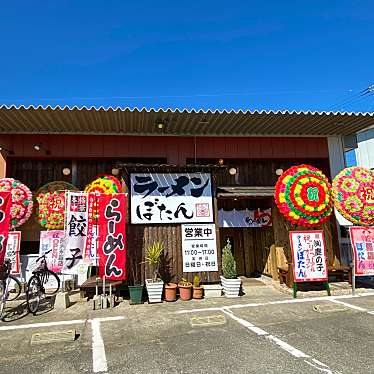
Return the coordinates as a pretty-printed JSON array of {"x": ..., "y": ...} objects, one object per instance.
[
  {"x": 337, "y": 163},
  {"x": 281, "y": 233},
  {"x": 2, "y": 165}
]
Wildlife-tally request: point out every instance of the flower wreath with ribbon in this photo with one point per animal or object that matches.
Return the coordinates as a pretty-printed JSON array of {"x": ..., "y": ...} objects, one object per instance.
[
  {"x": 303, "y": 196},
  {"x": 353, "y": 194},
  {"x": 21, "y": 208},
  {"x": 103, "y": 184},
  {"x": 50, "y": 202}
]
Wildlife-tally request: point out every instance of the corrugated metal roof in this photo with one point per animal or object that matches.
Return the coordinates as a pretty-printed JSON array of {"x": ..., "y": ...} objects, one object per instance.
[{"x": 126, "y": 121}]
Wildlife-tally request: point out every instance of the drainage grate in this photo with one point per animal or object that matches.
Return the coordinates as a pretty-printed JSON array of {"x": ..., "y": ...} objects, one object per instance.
[
  {"x": 54, "y": 336},
  {"x": 215, "y": 320}
]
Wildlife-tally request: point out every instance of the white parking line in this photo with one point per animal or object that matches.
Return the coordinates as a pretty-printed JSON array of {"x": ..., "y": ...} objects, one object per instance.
[
  {"x": 280, "y": 343},
  {"x": 277, "y": 302},
  {"x": 287, "y": 347},
  {"x": 245, "y": 323},
  {"x": 44, "y": 324},
  {"x": 351, "y": 306},
  {"x": 99, "y": 362}
]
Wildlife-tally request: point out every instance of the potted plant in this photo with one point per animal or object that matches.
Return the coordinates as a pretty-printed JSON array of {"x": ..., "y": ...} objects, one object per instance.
[
  {"x": 170, "y": 291},
  {"x": 230, "y": 281},
  {"x": 136, "y": 289},
  {"x": 155, "y": 285},
  {"x": 211, "y": 290},
  {"x": 197, "y": 289},
  {"x": 185, "y": 289}
]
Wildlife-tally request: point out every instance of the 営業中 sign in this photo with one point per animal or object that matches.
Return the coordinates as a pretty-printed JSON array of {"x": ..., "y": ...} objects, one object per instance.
[
  {"x": 171, "y": 198},
  {"x": 53, "y": 241},
  {"x": 309, "y": 256},
  {"x": 199, "y": 248},
  {"x": 362, "y": 239},
  {"x": 12, "y": 250}
]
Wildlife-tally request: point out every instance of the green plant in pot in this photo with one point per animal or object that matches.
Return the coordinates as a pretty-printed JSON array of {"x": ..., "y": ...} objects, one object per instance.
[
  {"x": 136, "y": 288},
  {"x": 230, "y": 281},
  {"x": 154, "y": 285},
  {"x": 165, "y": 272},
  {"x": 197, "y": 288},
  {"x": 185, "y": 289}
]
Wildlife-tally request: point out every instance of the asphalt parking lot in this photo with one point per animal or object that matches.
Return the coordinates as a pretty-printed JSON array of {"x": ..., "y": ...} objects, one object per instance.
[{"x": 267, "y": 333}]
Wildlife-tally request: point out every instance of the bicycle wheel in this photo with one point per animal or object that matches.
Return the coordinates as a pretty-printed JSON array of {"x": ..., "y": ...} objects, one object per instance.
[
  {"x": 2, "y": 298},
  {"x": 33, "y": 294},
  {"x": 51, "y": 282},
  {"x": 14, "y": 288}
]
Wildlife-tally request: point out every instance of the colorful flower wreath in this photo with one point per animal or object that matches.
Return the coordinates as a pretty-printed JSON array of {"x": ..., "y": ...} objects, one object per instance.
[
  {"x": 21, "y": 207},
  {"x": 303, "y": 195},
  {"x": 353, "y": 194},
  {"x": 50, "y": 204},
  {"x": 106, "y": 184}
]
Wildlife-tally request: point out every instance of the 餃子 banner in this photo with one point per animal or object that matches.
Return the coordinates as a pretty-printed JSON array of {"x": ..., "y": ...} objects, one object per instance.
[
  {"x": 362, "y": 239},
  {"x": 171, "y": 198},
  {"x": 112, "y": 236},
  {"x": 53, "y": 241},
  {"x": 199, "y": 248},
  {"x": 12, "y": 250},
  {"x": 309, "y": 256},
  {"x": 76, "y": 229}
]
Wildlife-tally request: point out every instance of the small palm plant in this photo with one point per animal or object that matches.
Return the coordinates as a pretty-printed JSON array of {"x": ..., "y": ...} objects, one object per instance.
[
  {"x": 228, "y": 262},
  {"x": 153, "y": 258}
]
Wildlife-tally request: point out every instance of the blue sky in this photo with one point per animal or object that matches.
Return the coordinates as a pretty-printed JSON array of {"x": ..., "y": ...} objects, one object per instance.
[{"x": 315, "y": 55}]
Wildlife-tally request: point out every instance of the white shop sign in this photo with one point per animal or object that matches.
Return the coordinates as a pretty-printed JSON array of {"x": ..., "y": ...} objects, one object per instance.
[
  {"x": 171, "y": 198},
  {"x": 199, "y": 248}
]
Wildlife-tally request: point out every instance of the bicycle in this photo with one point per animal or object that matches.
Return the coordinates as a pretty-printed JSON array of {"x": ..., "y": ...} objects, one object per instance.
[
  {"x": 36, "y": 286},
  {"x": 10, "y": 287}
]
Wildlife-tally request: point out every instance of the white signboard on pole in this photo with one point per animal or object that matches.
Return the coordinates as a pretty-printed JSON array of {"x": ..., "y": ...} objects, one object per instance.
[
  {"x": 309, "y": 256},
  {"x": 171, "y": 198},
  {"x": 199, "y": 248},
  {"x": 12, "y": 250}
]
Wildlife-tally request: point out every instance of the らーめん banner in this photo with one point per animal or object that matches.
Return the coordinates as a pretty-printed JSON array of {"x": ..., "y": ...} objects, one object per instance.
[
  {"x": 171, "y": 198},
  {"x": 112, "y": 237}
]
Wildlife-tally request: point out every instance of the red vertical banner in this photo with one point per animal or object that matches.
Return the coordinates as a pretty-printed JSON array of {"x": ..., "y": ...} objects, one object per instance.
[
  {"x": 5, "y": 204},
  {"x": 112, "y": 236}
]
